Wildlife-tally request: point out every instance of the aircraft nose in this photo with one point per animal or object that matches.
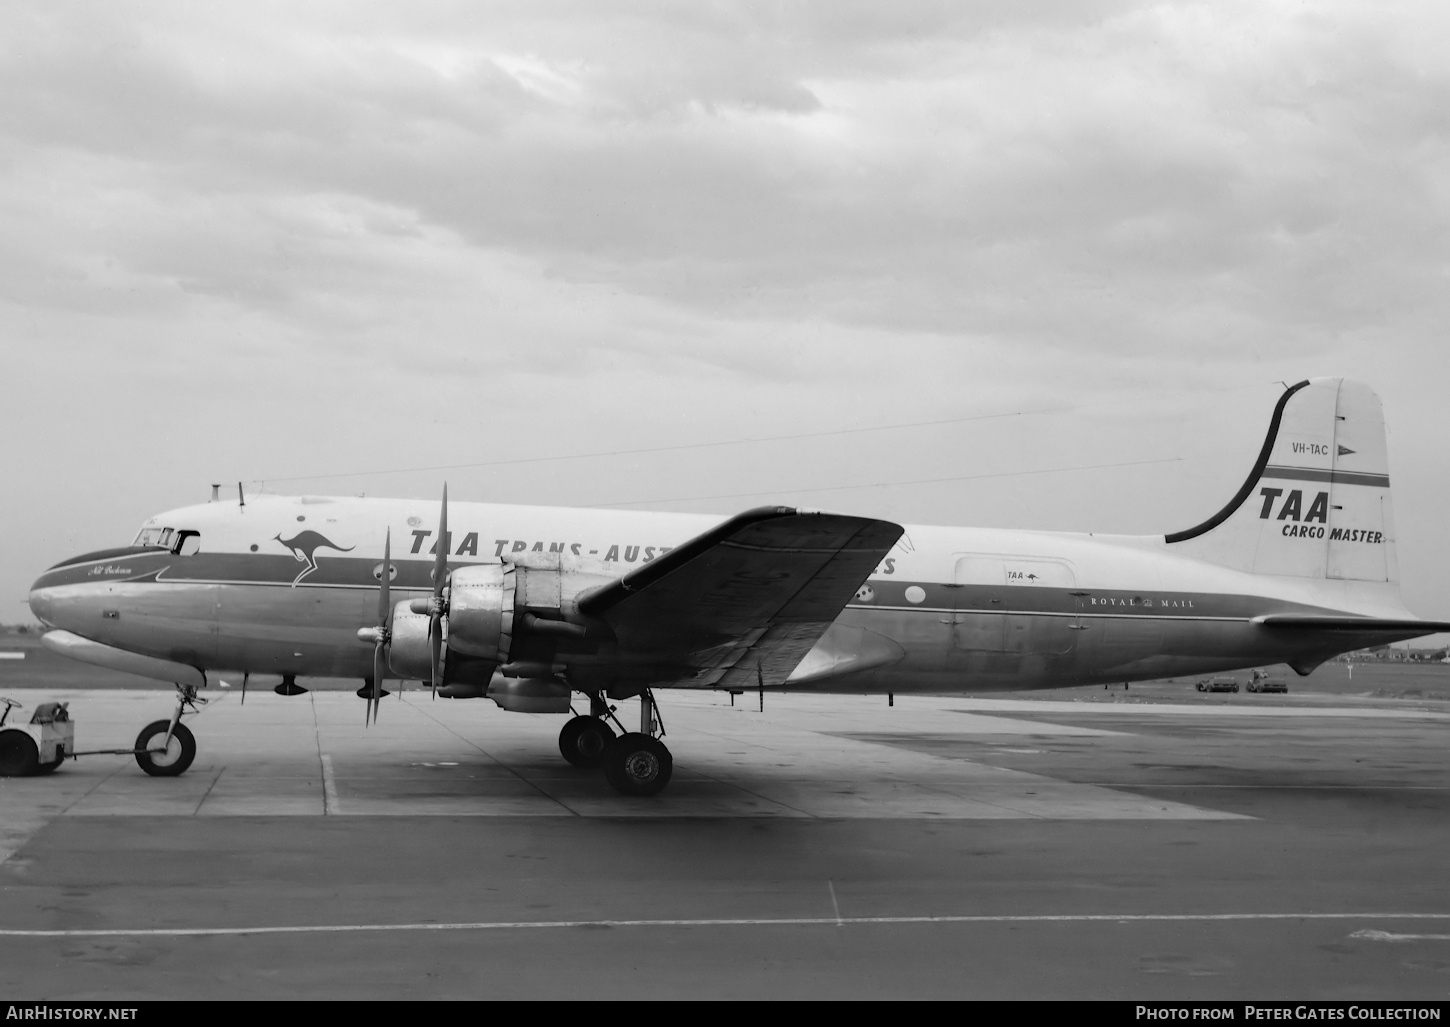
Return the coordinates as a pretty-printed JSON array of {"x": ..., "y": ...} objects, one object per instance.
[
  {"x": 83, "y": 594},
  {"x": 62, "y": 596},
  {"x": 42, "y": 603}
]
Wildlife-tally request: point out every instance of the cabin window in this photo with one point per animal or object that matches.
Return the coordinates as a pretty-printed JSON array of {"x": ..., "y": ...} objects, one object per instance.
[
  {"x": 156, "y": 537},
  {"x": 187, "y": 543}
]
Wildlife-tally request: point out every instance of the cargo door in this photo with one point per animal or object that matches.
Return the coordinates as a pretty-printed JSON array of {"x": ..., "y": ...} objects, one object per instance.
[{"x": 1013, "y": 604}]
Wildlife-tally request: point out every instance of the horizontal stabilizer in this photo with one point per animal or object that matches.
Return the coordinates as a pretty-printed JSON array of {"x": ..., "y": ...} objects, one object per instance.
[{"x": 1367, "y": 625}]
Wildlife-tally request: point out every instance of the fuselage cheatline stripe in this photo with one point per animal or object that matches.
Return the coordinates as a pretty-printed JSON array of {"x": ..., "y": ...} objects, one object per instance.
[{"x": 714, "y": 922}]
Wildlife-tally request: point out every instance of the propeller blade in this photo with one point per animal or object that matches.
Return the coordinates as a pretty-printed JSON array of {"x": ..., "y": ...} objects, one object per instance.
[
  {"x": 384, "y": 606},
  {"x": 440, "y": 558},
  {"x": 379, "y": 663},
  {"x": 435, "y": 650},
  {"x": 381, "y": 634},
  {"x": 440, "y": 572}
]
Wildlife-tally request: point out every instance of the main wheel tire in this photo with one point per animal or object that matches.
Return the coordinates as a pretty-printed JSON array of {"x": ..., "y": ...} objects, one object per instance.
[
  {"x": 171, "y": 761},
  {"x": 18, "y": 754},
  {"x": 636, "y": 764},
  {"x": 583, "y": 740}
]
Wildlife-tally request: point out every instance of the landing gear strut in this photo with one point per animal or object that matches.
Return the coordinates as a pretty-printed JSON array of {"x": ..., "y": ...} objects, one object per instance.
[{"x": 637, "y": 763}]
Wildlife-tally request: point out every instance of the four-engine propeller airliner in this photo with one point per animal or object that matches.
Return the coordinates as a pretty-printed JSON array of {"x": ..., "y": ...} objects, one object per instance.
[{"x": 528, "y": 605}]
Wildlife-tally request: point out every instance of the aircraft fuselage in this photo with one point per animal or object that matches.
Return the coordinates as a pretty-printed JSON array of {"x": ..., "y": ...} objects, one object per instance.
[{"x": 281, "y": 586}]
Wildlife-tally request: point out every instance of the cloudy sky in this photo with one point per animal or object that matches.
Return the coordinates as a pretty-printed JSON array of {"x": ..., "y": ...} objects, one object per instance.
[{"x": 1035, "y": 264}]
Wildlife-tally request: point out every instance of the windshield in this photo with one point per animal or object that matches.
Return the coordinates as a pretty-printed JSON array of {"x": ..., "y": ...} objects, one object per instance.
[{"x": 155, "y": 537}]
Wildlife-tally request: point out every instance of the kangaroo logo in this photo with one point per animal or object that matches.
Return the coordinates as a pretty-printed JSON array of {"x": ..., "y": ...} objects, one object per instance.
[{"x": 305, "y": 545}]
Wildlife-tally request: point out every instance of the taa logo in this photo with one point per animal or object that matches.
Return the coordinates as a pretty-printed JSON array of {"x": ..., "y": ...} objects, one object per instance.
[
  {"x": 304, "y": 549},
  {"x": 1292, "y": 508},
  {"x": 1298, "y": 522}
]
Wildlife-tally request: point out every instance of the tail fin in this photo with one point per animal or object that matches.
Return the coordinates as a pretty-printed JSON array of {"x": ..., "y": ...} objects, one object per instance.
[{"x": 1317, "y": 503}]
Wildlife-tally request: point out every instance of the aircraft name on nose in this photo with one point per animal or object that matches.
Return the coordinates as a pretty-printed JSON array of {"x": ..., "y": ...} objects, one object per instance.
[{"x": 109, "y": 568}]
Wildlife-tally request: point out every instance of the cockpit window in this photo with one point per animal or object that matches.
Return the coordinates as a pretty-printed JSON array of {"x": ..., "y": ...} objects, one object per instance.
[
  {"x": 182, "y": 543},
  {"x": 155, "y": 537}
]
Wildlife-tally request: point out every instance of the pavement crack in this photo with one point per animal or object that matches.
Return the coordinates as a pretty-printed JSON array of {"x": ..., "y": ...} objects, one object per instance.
[
  {"x": 330, "y": 805},
  {"x": 207, "y": 794}
]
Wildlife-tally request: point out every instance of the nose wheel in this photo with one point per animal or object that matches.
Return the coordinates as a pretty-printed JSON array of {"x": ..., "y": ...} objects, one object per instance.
[{"x": 164, "y": 749}]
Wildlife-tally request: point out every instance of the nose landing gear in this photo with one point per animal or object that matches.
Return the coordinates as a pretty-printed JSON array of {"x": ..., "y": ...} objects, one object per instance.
[{"x": 172, "y": 752}]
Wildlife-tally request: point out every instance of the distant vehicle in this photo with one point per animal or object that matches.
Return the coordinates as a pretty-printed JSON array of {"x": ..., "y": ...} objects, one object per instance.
[
  {"x": 1267, "y": 685},
  {"x": 1219, "y": 685}
]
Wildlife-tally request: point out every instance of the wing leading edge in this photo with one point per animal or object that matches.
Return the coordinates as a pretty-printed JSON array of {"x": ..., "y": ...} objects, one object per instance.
[{"x": 743, "y": 603}]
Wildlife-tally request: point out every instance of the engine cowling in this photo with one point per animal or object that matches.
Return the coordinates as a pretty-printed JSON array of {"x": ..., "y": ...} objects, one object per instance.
[
  {"x": 408, "y": 655},
  {"x": 481, "y": 611}
]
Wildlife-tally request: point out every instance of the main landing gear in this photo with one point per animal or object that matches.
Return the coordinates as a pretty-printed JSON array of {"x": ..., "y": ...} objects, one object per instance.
[{"x": 634, "y": 762}]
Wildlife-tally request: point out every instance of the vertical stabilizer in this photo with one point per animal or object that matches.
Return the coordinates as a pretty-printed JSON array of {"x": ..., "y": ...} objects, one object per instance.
[{"x": 1317, "y": 503}]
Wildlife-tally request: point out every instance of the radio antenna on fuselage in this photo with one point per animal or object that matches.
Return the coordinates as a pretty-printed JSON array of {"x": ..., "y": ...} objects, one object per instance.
[{"x": 241, "y": 499}]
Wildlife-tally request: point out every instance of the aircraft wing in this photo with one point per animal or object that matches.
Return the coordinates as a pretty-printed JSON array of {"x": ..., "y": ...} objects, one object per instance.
[{"x": 744, "y": 602}]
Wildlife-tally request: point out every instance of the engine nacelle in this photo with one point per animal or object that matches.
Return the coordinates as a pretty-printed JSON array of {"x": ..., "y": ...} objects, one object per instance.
[
  {"x": 481, "y": 611},
  {"x": 489, "y": 605},
  {"x": 408, "y": 655}
]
